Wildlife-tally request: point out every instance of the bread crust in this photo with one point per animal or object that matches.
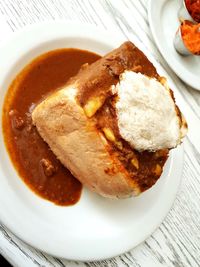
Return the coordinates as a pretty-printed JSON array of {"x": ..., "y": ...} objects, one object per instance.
[
  {"x": 80, "y": 147},
  {"x": 78, "y": 140}
]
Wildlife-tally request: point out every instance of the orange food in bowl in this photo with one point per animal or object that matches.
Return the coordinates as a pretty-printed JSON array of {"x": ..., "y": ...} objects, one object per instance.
[{"x": 191, "y": 36}]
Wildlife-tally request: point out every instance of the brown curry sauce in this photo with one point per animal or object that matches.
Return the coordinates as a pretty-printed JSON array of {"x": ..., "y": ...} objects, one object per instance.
[{"x": 35, "y": 162}]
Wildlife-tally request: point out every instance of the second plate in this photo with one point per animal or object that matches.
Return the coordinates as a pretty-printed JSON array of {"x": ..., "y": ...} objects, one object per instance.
[{"x": 164, "y": 22}]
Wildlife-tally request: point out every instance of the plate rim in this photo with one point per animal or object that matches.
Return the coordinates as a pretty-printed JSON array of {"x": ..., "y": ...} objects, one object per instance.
[{"x": 178, "y": 153}]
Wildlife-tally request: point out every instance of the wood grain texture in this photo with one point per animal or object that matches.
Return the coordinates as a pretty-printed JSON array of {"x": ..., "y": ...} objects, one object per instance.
[{"x": 177, "y": 241}]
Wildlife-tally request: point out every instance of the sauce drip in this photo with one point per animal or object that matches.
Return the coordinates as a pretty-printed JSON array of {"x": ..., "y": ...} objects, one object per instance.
[{"x": 31, "y": 156}]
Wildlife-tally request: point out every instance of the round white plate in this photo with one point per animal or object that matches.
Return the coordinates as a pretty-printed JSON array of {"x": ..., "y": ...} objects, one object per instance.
[
  {"x": 163, "y": 20},
  {"x": 95, "y": 228}
]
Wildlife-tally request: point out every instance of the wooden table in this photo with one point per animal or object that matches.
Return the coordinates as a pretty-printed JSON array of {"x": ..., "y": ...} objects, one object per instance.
[{"x": 177, "y": 241}]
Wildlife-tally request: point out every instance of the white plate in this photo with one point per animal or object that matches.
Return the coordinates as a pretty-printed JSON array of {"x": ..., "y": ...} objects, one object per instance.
[
  {"x": 163, "y": 20},
  {"x": 95, "y": 228}
]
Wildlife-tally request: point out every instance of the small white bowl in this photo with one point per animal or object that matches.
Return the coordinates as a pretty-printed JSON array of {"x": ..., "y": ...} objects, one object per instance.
[
  {"x": 179, "y": 44},
  {"x": 183, "y": 13}
]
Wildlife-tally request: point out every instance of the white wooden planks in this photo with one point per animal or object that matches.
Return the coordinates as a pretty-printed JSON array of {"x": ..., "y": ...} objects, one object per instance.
[{"x": 177, "y": 241}]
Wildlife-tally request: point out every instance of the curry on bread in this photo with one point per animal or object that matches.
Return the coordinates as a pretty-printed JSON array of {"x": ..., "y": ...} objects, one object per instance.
[{"x": 85, "y": 123}]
